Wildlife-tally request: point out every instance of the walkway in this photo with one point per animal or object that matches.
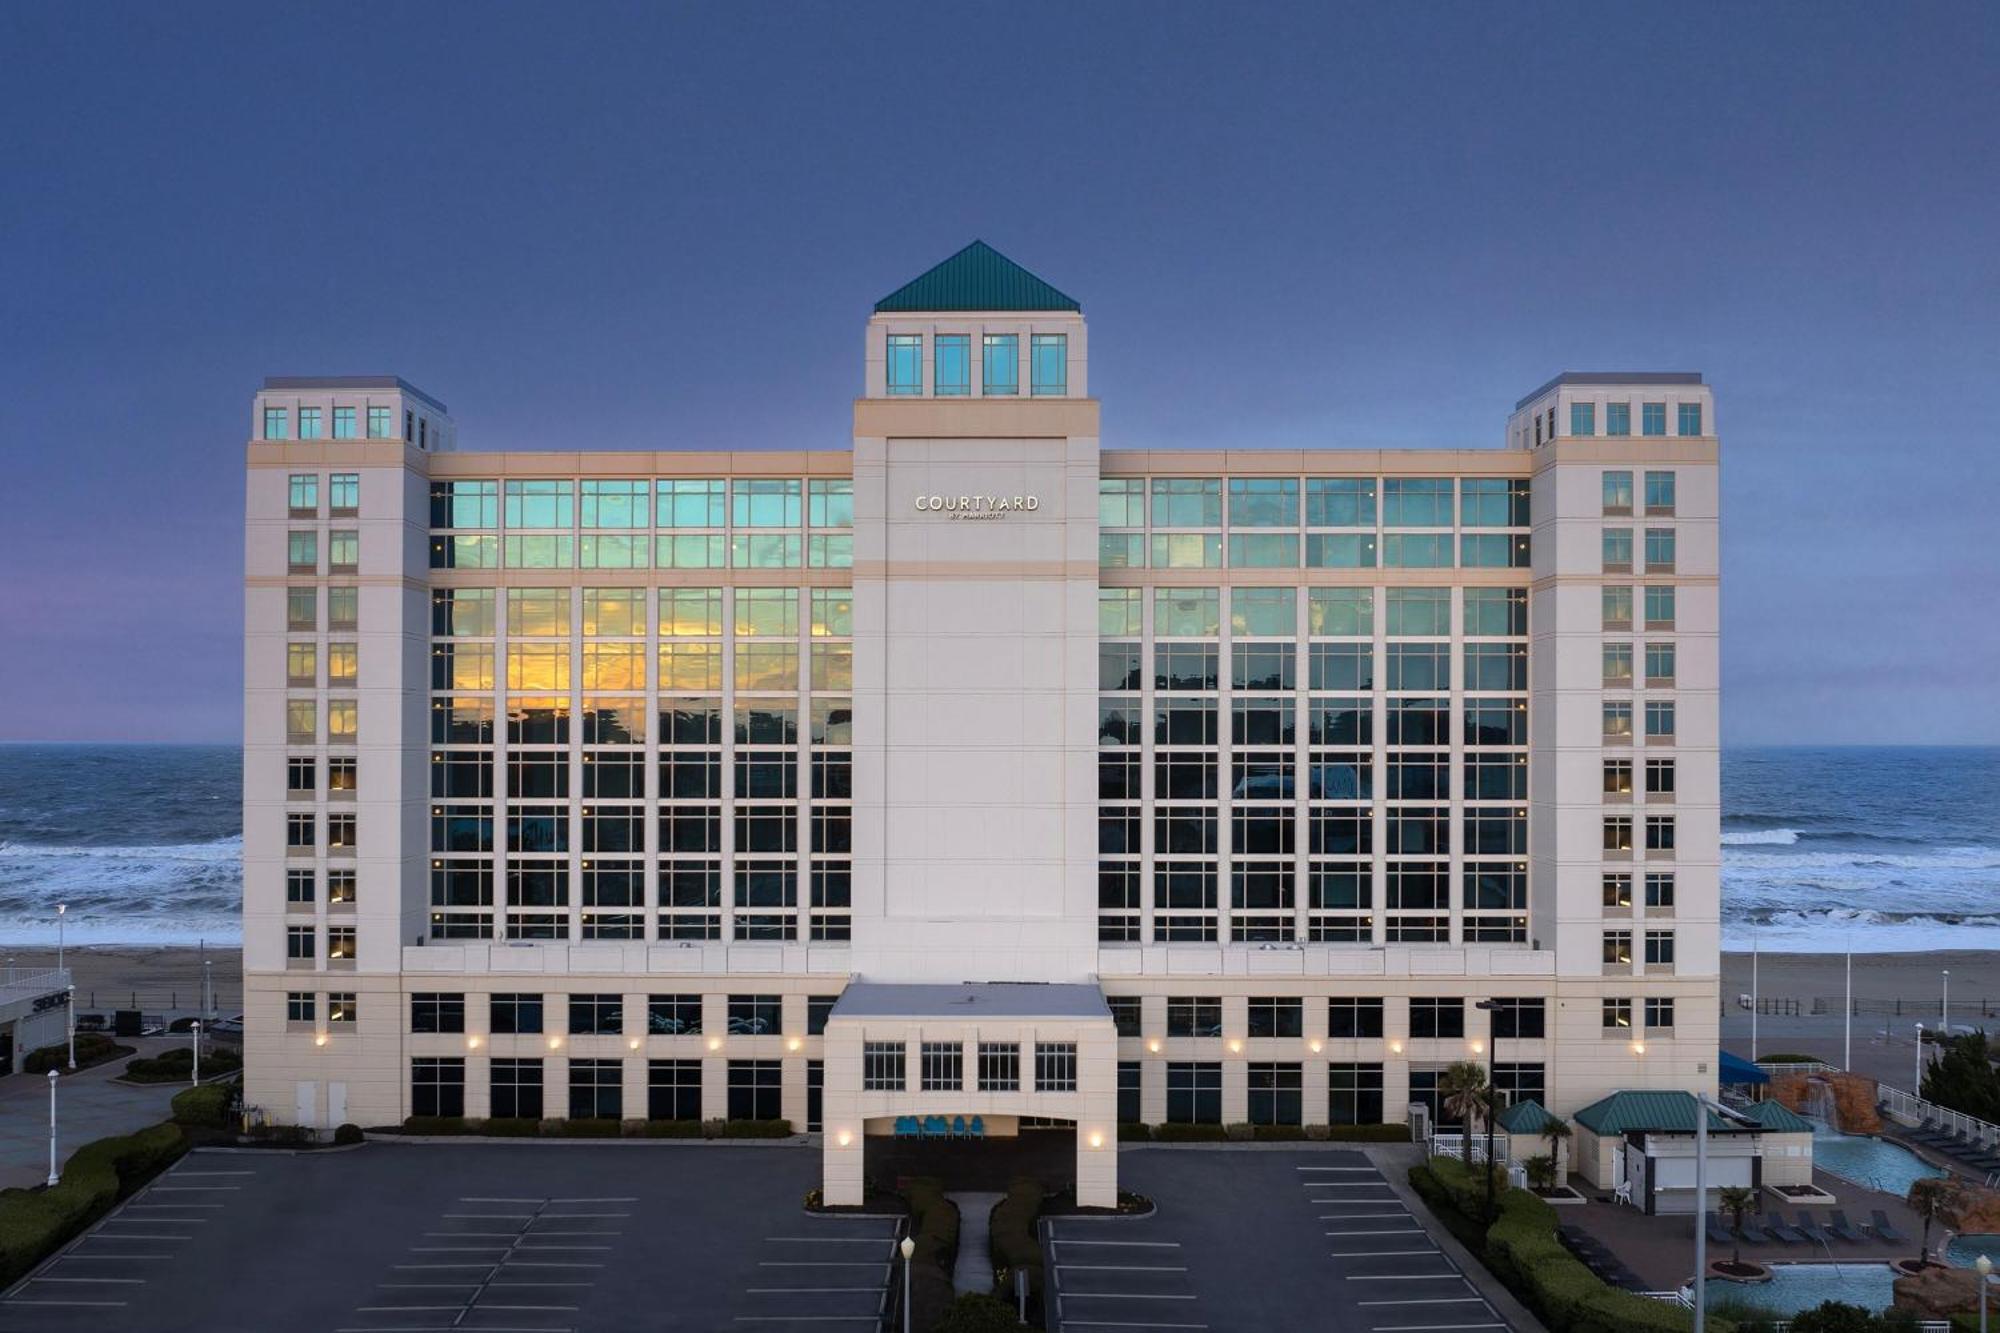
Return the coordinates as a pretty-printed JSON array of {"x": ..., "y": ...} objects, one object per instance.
[
  {"x": 89, "y": 1105},
  {"x": 974, "y": 1270}
]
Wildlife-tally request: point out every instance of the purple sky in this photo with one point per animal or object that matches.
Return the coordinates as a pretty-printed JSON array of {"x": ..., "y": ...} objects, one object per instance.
[{"x": 612, "y": 226}]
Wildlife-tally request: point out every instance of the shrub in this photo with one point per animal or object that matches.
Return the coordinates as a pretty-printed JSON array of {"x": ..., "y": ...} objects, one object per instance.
[
  {"x": 671, "y": 1129},
  {"x": 756, "y": 1129},
  {"x": 91, "y": 1048},
  {"x": 348, "y": 1134},
  {"x": 1280, "y": 1133},
  {"x": 437, "y": 1124},
  {"x": 34, "y": 1223},
  {"x": 586, "y": 1129},
  {"x": 509, "y": 1127},
  {"x": 1179, "y": 1133},
  {"x": 1011, "y": 1242},
  {"x": 1133, "y": 1131},
  {"x": 207, "y": 1106},
  {"x": 176, "y": 1064},
  {"x": 1241, "y": 1131},
  {"x": 1369, "y": 1133},
  {"x": 976, "y": 1312}
]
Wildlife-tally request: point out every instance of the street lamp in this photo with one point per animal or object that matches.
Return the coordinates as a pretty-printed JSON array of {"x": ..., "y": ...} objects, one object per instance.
[
  {"x": 906, "y": 1249},
  {"x": 1492, "y": 1093},
  {"x": 197, "y": 1052},
  {"x": 1985, "y": 1266},
  {"x": 1917, "y": 1070},
  {"x": 53, "y": 1179},
  {"x": 208, "y": 987},
  {"x": 62, "y": 910},
  {"x": 1944, "y": 1004},
  {"x": 70, "y": 1022}
]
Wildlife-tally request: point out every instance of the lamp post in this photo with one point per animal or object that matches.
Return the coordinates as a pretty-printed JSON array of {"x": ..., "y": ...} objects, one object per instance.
[
  {"x": 906, "y": 1249},
  {"x": 1985, "y": 1267},
  {"x": 70, "y": 1023},
  {"x": 208, "y": 987},
  {"x": 62, "y": 910},
  {"x": 69, "y": 1020},
  {"x": 1944, "y": 1003},
  {"x": 1492, "y": 1095},
  {"x": 1917, "y": 1074},
  {"x": 197, "y": 1052},
  {"x": 53, "y": 1179}
]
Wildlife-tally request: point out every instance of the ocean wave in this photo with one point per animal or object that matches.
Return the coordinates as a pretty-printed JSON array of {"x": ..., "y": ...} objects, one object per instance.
[
  {"x": 165, "y": 894},
  {"x": 1776, "y": 837},
  {"x": 1831, "y": 930}
]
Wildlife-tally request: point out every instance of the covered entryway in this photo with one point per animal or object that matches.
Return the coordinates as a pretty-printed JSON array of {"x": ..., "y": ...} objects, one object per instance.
[{"x": 958, "y": 1082}]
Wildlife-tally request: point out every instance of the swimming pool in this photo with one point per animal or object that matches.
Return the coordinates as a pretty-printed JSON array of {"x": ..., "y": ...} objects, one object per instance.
[
  {"x": 1796, "y": 1287},
  {"x": 1879, "y": 1164},
  {"x": 1963, "y": 1250}
]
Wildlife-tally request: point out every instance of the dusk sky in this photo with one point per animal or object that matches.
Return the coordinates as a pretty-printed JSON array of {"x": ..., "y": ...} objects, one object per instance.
[{"x": 662, "y": 226}]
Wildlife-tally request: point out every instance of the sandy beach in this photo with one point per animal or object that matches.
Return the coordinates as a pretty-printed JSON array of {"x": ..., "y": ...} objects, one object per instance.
[{"x": 118, "y": 976}]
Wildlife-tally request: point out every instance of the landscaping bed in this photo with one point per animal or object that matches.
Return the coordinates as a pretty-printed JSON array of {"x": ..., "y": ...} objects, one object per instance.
[
  {"x": 92, "y": 1048},
  {"x": 456, "y": 1126},
  {"x": 177, "y": 1066},
  {"x": 1132, "y": 1131}
]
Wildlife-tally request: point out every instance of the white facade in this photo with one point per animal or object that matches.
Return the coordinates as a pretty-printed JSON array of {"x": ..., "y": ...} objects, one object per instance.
[{"x": 1293, "y": 757}]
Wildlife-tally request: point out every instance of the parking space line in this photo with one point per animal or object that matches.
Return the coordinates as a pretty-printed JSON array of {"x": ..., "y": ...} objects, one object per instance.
[
  {"x": 627, "y": 1198},
  {"x": 1431, "y": 1300},
  {"x": 1334, "y": 1168},
  {"x": 834, "y": 1240},
  {"x": 1123, "y": 1323},
  {"x": 1397, "y": 1277},
  {"x": 184, "y": 1172},
  {"x": 1119, "y": 1268},
  {"x": 1428, "y": 1328},
  {"x": 131, "y": 1281},
  {"x": 1379, "y": 1231},
  {"x": 1139, "y": 1244},
  {"x": 1378, "y": 1254},
  {"x": 23, "y": 1300}
]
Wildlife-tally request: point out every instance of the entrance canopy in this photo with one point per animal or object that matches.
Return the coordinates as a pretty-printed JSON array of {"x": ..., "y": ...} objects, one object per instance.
[{"x": 971, "y": 1001}]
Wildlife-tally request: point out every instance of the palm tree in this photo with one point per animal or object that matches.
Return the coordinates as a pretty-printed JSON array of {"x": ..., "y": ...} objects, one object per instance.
[
  {"x": 1931, "y": 1198},
  {"x": 1463, "y": 1093},
  {"x": 1737, "y": 1201},
  {"x": 1555, "y": 1129}
]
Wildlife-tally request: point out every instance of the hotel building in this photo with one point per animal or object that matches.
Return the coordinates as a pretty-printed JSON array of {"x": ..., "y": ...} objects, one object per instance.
[{"x": 978, "y": 770}]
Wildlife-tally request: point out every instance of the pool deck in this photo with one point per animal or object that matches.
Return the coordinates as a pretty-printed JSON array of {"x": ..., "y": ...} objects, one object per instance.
[{"x": 1661, "y": 1249}]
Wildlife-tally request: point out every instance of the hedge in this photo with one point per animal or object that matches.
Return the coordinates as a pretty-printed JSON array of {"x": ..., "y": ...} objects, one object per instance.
[
  {"x": 1133, "y": 1131},
  {"x": 206, "y": 1107},
  {"x": 35, "y": 1223},
  {"x": 177, "y": 1064},
  {"x": 1179, "y": 1133},
  {"x": 1521, "y": 1249},
  {"x": 92, "y": 1048},
  {"x": 934, "y": 1224},
  {"x": 1011, "y": 1239},
  {"x": 976, "y": 1312}
]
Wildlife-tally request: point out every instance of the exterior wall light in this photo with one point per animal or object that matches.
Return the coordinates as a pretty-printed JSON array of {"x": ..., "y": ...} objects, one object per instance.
[
  {"x": 1154, "y": 1046},
  {"x": 1475, "y": 1046},
  {"x": 555, "y": 1043},
  {"x": 1313, "y": 1045},
  {"x": 843, "y": 1138},
  {"x": 1395, "y": 1048},
  {"x": 1638, "y": 1048},
  {"x": 1235, "y": 1046},
  {"x": 793, "y": 1044},
  {"x": 472, "y": 1043},
  {"x": 634, "y": 1043},
  {"x": 319, "y": 1039},
  {"x": 1096, "y": 1139},
  {"x": 715, "y": 1043}
]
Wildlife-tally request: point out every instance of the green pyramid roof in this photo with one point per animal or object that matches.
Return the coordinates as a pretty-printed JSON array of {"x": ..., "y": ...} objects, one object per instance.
[
  {"x": 1659, "y": 1112},
  {"x": 976, "y": 278},
  {"x": 1777, "y": 1117},
  {"x": 1527, "y": 1117}
]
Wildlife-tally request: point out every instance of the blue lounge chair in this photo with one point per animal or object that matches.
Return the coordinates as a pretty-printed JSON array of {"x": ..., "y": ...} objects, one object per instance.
[
  {"x": 1884, "y": 1229},
  {"x": 1750, "y": 1231},
  {"x": 1781, "y": 1231},
  {"x": 1841, "y": 1229},
  {"x": 1810, "y": 1229},
  {"x": 958, "y": 1126},
  {"x": 977, "y": 1128},
  {"x": 906, "y": 1127},
  {"x": 1718, "y": 1233}
]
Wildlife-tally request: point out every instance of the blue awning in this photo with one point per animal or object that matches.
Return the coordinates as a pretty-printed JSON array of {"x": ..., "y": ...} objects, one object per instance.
[{"x": 1735, "y": 1069}]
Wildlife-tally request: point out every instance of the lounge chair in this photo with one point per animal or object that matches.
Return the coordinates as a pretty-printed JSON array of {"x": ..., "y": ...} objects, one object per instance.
[
  {"x": 1885, "y": 1229},
  {"x": 1810, "y": 1229},
  {"x": 1841, "y": 1229},
  {"x": 1782, "y": 1231},
  {"x": 1717, "y": 1232},
  {"x": 1752, "y": 1232}
]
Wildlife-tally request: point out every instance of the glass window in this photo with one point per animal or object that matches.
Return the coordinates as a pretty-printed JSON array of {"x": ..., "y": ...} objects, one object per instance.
[
  {"x": 276, "y": 423},
  {"x": 1416, "y": 502},
  {"x": 1121, "y": 502},
  {"x": 1652, "y": 418},
  {"x": 302, "y": 494},
  {"x": 302, "y": 552},
  {"x": 344, "y": 493},
  {"x": 1690, "y": 419},
  {"x": 1419, "y": 611},
  {"x": 1416, "y": 550},
  {"x": 1617, "y": 492},
  {"x": 1187, "y": 502},
  {"x": 1194, "y": 1093},
  {"x": 951, "y": 370},
  {"x": 765, "y": 503},
  {"x": 830, "y": 504},
  {"x": 540, "y": 504},
  {"x": 1659, "y": 607},
  {"x": 1354, "y": 1094},
  {"x": 1493, "y": 550},
  {"x": 685, "y": 503},
  {"x": 1617, "y": 608},
  {"x": 1187, "y": 550},
  {"x": 1617, "y": 549},
  {"x": 1618, "y": 418},
  {"x": 1263, "y": 612},
  {"x": 343, "y": 549},
  {"x": 1055, "y": 1066},
  {"x": 941, "y": 1066},
  {"x": 1263, "y": 550},
  {"x": 882, "y": 1066},
  {"x": 617, "y": 504},
  {"x": 1340, "y": 502},
  {"x": 1263, "y": 502},
  {"x": 1660, "y": 719},
  {"x": 1048, "y": 368},
  {"x": 309, "y": 423},
  {"x": 1659, "y": 492},
  {"x": 1495, "y": 612},
  {"x": 1001, "y": 365},
  {"x": 1493, "y": 502},
  {"x": 1187, "y": 613},
  {"x": 437, "y": 1086},
  {"x": 1618, "y": 718},
  {"x": 1341, "y": 612},
  {"x": 1583, "y": 418},
  {"x": 905, "y": 364},
  {"x": 1659, "y": 549},
  {"x": 343, "y": 423},
  {"x": 1659, "y": 664},
  {"x": 381, "y": 423}
]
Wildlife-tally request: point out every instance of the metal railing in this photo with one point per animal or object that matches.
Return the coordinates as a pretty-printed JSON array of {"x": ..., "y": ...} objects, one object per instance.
[
  {"x": 1775, "y": 1068},
  {"x": 1908, "y": 1108},
  {"x": 22, "y": 982},
  {"x": 1453, "y": 1145}
]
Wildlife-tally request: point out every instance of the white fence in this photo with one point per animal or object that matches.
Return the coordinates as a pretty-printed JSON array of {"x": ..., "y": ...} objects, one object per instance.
[
  {"x": 1911, "y": 1109},
  {"x": 1453, "y": 1145},
  {"x": 1779, "y": 1068}
]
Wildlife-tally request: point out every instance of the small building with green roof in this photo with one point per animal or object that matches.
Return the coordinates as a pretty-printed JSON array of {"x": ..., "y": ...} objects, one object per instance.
[{"x": 1644, "y": 1140}]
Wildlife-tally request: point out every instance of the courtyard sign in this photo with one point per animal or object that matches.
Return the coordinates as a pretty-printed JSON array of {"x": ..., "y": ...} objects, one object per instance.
[{"x": 978, "y": 506}]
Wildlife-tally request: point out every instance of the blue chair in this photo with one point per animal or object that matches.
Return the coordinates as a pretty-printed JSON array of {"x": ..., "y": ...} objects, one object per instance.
[
  {"x": 977, "y": 1129},
  {"x": 906, "y": 1127},
  {"x": 935, "y": 1127},
  {"x": 958, "y": 1126}
]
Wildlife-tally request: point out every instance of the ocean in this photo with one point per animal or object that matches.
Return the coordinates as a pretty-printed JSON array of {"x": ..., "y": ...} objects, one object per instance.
[{"x": 1893, "y": 849}]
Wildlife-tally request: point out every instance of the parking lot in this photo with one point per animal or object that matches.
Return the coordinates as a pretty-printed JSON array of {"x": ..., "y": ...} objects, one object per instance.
[
  {"x": 1261, "y": 1240},
  {"x": 489, "y": 1238}
]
